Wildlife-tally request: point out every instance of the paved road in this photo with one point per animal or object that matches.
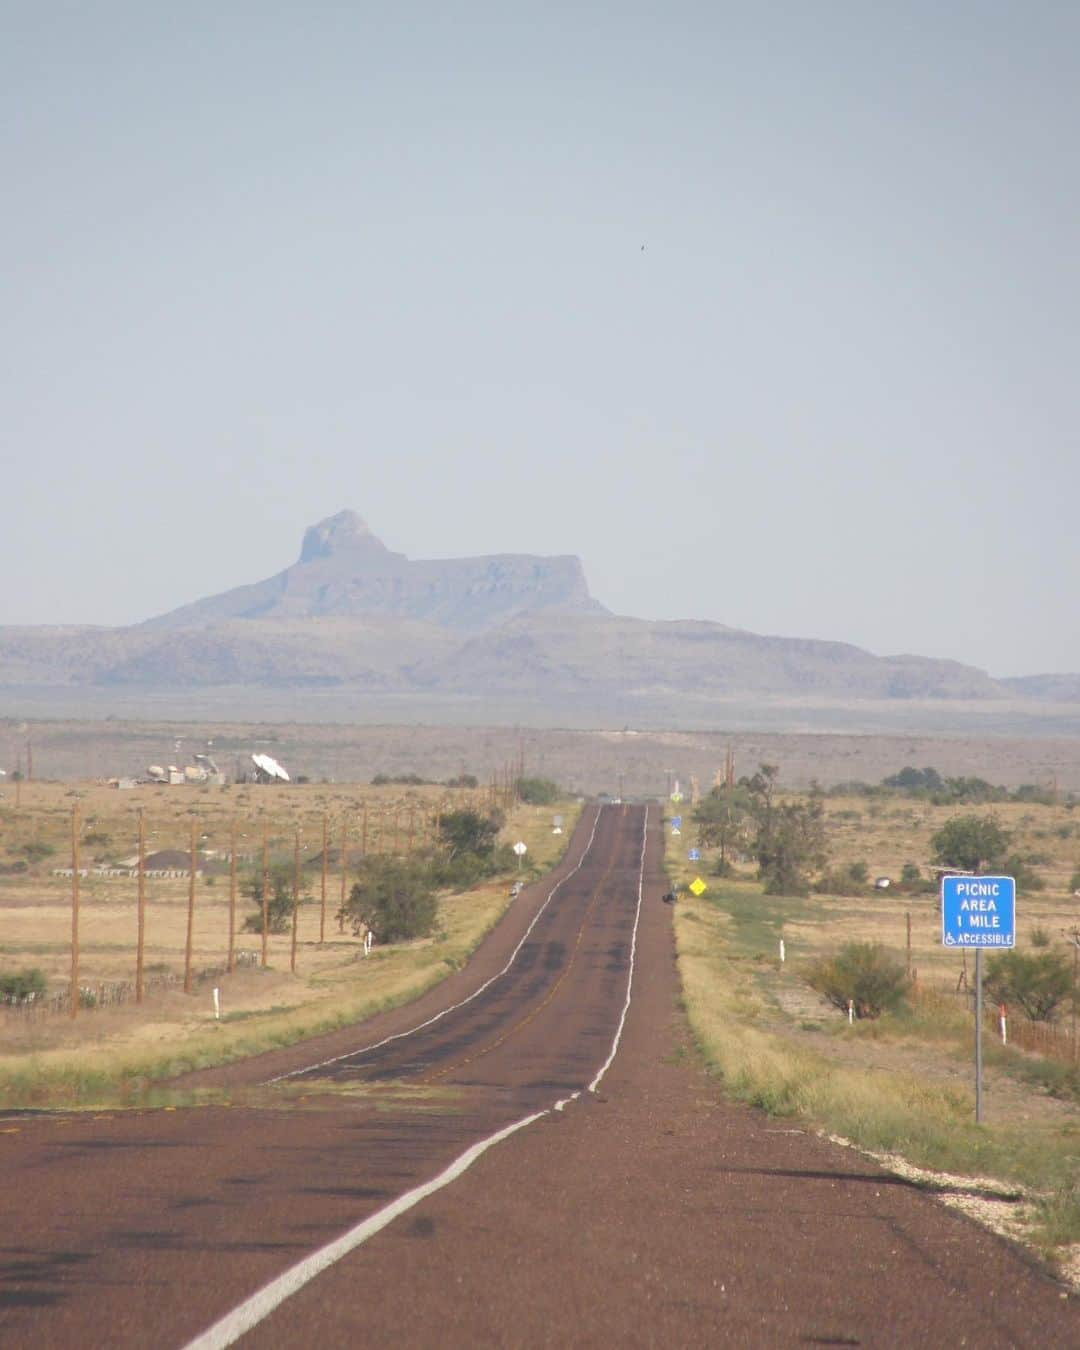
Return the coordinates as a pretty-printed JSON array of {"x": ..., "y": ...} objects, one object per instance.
[{"x": 646, "y": 1212}]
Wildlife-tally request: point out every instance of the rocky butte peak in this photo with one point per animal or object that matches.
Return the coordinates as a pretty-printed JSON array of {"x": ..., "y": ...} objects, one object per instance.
[
  {"x": 343, "y": 533},
  {"x": 345, "y": 571}
]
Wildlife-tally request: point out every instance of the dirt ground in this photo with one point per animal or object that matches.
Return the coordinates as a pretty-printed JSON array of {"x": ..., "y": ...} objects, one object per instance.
[{"x": 626, "y": 760}]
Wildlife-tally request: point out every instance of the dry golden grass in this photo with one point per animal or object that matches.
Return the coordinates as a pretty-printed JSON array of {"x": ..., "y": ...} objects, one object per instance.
[{"x": 333, "y": 982}]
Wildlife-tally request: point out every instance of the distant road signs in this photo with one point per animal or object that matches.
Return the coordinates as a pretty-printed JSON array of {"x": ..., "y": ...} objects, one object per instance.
[
  {"x": 677, "y": 822},
  {"x": 676, "y": 797},
  {"x": 978, "y": 911},
  {"x": 521, "y": 848},
  {"x": 694, "y": 855},
  {"x": 675, "y": 830},
  {"x": 698, "y": 886}
]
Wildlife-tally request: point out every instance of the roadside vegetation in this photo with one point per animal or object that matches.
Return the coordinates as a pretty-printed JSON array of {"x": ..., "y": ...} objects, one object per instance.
[{"x": 865, "y": 1028}]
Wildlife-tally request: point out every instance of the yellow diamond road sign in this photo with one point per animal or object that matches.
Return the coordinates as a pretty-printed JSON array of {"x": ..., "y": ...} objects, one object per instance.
[{"x": 698, "y": 886}]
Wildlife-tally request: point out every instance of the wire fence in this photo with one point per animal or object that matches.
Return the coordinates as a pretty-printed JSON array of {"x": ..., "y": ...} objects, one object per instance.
[
  {"x": 101, "y": 994},
  {"x": 1053, "y": 1039}
]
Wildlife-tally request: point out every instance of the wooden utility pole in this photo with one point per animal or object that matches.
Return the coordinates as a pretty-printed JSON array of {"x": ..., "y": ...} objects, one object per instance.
[
  {"x": 190, "y": 912},
  {"x": 231, "y": 962},
  {"x": 344, "y": 871},
  {"x": 412, "y": 828},
  {"x": 141, "y": 938},
  {"x": 295, "y": 899},
  {"x": 322, "y": 908},
  {"x": 30, "y": 764},
  {"x": 909, "y": 944},
  {"x": 265, "y": 890},
  {"x": 75, "y": 910},
  {"x": 363, "y": 837}
]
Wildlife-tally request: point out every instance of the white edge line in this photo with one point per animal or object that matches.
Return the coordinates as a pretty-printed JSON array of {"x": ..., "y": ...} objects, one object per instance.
[
  {"x": 633, "y": 952},
  {"x": 259, "y": 1306},
  {"x": 400, "y": 1035},
  {"x": 247, "y": 1315}
]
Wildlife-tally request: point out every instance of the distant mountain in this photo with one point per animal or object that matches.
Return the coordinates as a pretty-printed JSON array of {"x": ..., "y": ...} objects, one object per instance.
[
  {"x": 1052, "y": 688},
  {"x": 351, "y": 616},
  {"x": 344, "y": 571}
]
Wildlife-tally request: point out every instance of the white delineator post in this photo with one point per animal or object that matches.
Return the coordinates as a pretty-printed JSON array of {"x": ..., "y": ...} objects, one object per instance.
[
  {"x": 1004, "y": 1027},
  {"x": 783, "y": 954}
]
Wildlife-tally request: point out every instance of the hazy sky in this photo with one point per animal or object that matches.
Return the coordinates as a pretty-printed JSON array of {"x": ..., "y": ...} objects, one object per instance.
[{"x": 263, "y": 262}]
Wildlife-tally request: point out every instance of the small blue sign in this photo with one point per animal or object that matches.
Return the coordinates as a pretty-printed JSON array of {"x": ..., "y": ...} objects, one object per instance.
[
  {"x": 978, "y": 911},
  {"x": 677, "y": 822},
  {"x": 694, "y": 855}
]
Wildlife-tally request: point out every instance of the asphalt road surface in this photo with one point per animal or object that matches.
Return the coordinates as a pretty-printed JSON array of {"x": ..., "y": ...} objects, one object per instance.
[{"x": 481, "y": 1169}]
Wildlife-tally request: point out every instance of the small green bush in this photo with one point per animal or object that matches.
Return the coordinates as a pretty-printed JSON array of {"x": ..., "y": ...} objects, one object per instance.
[
  {"x": 22, "y": 984},
  {"x": 864, "y": 974}
]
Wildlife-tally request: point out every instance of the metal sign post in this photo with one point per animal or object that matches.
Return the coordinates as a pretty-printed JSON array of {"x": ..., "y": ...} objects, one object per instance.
[{"x": 978, "y": 912}]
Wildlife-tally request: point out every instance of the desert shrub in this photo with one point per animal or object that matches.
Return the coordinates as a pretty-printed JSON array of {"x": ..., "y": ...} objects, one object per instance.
[
  {"x": 1074, "y": 881},
  {"x": 19, "y": 985},
  {"x": 36, "y": 850},
  {"x": 537, "y": 791},
  {"x": 910, "y": 875},
  {"x": 863, "y": 973},
  {"x": 1040, "y": 936},
  {"x": 849, "y": 880},
  {"x": 1037, "y": 984}
]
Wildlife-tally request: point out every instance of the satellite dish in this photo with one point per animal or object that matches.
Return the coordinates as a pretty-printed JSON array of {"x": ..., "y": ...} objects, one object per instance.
[{"x": 269, "y": 770}]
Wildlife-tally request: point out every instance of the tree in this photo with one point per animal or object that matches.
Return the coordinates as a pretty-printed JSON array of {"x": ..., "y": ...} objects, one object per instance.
[
  {"x": 1036, "y": 983},
  {"x": 863, "y": 973},
  {"x": 394, "y": 897},
  {"x": 790, "y": 837},
  {"x": 537, "y": 791},
  {"x": 723, "y": 820},
  {"x": 280, "y": 906},
  {"x": 467, "y": 831},
  {"x": 971, "y": 843}
]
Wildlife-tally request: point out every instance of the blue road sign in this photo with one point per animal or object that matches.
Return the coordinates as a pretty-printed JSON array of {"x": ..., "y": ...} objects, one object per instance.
[
  {"x": 677, "y": 822},
  {"x": 978, "y": 911},
  {"x": 694, "y": 855}
]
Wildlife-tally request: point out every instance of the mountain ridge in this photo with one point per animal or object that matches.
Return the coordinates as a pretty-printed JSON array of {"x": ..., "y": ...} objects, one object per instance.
[{"x": 352, "y": 615}]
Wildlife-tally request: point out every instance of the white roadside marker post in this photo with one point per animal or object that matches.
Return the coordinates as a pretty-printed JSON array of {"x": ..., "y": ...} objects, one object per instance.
[
  {"x": 217, "y": 1004},
  {"x": 783, "y": 954}
]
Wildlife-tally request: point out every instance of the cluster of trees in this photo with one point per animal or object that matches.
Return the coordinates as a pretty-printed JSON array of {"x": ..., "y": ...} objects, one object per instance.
[
  {"x": 927, "y": 784},
  {"x": 463, "y": 780},
  {"x": 394, "y": 896},
  {"x": 397, "y": 898},
  {"x": 787, "y": 839}
]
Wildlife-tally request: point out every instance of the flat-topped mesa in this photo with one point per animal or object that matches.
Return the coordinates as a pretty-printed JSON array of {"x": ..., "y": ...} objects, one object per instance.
[{"x": 344, "y": 570}]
